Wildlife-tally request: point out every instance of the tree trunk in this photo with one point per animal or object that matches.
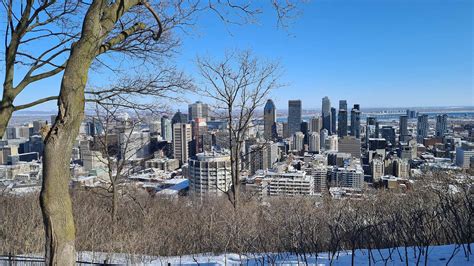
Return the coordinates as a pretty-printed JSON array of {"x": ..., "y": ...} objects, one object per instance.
[
  {"x": 56, "y": 203},
  {"x": 55, "y": 198},
  {"x": 6, "y": 111},
  {"x": 114, "y": 202}
]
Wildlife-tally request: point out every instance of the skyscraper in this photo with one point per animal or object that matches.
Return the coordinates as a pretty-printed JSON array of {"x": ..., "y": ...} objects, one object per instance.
[
  {"x": 422, "y": 127},
  {"x": 182, "y": 135},
  {"x": 198, "y": 110},
  {"x": 333, "y": 120},
  {"x": 388, "y": 133},
  {"x": 314, "y": 142},
  {"x": 370, "y": 131},
  {"x": 316, "y": 124},
  {"x": 441, "y": 125},
  {"x": 298, "y": 141},
  {"x": 305, "y": 130},
  {"x": 179, "y": 117},
  {"x": 355, "y": 121},
  {"x": 342, "y": 119},
  {"x": 342, "y": 104},
  {"x": 269, "y": 120},
  {"x": 322, "y": 137},
  {"x": 209, "y": 173},
  {"x": 403, "y": 128},
  {"x": 294, "y": 116},
  {"x": 166, "y": 129},
  {"x": 326, "y": 112}
]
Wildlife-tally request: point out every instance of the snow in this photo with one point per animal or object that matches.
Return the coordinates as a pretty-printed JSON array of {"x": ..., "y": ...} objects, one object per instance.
[{"x": 438, "y": 255}]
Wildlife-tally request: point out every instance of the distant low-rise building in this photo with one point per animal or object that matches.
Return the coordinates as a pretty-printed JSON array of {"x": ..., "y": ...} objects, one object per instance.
[
  {"x": 350, "y": 177},
  {"x": 464, "y": 155},
  {"x": 288, "y": 183}
]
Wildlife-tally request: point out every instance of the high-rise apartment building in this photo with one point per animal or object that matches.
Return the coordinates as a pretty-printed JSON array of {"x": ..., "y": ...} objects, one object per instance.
[
  {"x": 294, "y": 116},
  {"x": 298, "y": 141},
  {"x": 269, "y": 120},
  {"x": 315, "y": 124},
  {"x": 332, "y": 143},
  {"x": 166, "y": 129},
  {"x": 209, "y": 173},
  {"x": 182, "y": 135},
  {"x": 333, "y": 120},
  {"x": 323, "y": 137},
  {"x": 403, "y": 128},
  {"x": 263, "y": 156},
  {"x": 314, "y": 142},
  {"x": 441, "y": 125},
  {"x": 377, "y": 167},
  {"x": 422, "y": 128},
  {"x": 350, "y": 177}
]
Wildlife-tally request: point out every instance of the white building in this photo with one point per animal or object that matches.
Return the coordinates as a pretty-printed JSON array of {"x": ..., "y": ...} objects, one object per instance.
[
  {"x": 209, "y": 173},
  {"x": 332, "y": 143},
  {"x": 298, "y": 142},
  {"x": 263, "y": 156},
  {"x": 351, "y": 177},
  {"x": 464, "y": 154},
  {"x": 290, "y": 183},
  {"x": 314, "y": 142},
  {"x": 378, "y": 169},
  {"x": 401, "y": 168},
  {"x": 319, "y": 173}
]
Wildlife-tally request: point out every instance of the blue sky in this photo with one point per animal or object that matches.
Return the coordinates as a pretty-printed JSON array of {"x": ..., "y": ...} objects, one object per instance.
[{"x": 378, "y": 53}]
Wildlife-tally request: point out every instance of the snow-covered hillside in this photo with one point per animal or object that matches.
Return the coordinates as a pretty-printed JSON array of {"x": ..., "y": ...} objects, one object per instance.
[{"x": 438, "y": 255}]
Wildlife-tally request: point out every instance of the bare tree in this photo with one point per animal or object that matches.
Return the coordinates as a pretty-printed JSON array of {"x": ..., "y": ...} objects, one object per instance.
[
  {"x": 137, "y": 29},
  {"x": 49, "y": 27},
  {"x": 239, "y": 84}
]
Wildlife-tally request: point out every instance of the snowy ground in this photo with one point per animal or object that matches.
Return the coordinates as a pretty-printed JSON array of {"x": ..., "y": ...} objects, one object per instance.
[{"x": 438, "y": 255}]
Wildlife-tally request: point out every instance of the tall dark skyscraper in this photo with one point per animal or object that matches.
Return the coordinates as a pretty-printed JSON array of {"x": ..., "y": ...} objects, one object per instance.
[
  {"x": 422, "y": 127},
  {"x": 294, "y": 116},
  {"x": 441, "y": 125},
  {"x": 342, "y": 104},
  {"x": 326, "y": 112},
  {"x": 269, "y": 120},
  {"x": 377, "y": 129},
  {"x": 403, "y": 128},
  {"x": 370, "y": 129},
  {"x": 388, "y": 133},
  {"x": 342, "y": 119},
  {"x": 333, "y": 120},
  {"x": 305, "y": 130},
  {"x": 179, "y": 117},
  {"x": 355, "y": 121}
]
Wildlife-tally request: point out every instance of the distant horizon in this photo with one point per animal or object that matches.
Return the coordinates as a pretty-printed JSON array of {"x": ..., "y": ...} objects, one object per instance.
[{"x": 304, "y": 109}]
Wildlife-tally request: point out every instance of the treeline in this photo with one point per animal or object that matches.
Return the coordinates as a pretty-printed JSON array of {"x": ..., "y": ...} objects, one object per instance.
[{"x": 440, "y": 212}]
